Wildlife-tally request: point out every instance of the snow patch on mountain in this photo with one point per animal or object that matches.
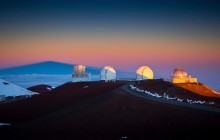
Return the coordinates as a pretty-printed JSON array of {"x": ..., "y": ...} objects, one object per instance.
[
  {"x": 167, "y": 97},
  {"x": 9, "y": 89}
]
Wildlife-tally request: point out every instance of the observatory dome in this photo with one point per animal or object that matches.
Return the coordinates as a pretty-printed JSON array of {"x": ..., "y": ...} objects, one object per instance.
[
  {"x": 144, "y": 72},
  {"x": 108, "y": 73},
  {"x": 179, "y": 73}
]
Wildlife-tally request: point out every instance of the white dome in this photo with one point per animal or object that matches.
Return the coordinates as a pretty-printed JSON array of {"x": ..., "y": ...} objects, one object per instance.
[
  {"x": 108, "y": 73},
  {"x": 144, "y": 72},
  {"x": 179, "y": 73}
]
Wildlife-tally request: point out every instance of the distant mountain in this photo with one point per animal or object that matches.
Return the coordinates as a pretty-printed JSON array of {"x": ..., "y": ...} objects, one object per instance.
[
  {"x": 9, "y": 89},
  {"x": 48, "y": 67}
]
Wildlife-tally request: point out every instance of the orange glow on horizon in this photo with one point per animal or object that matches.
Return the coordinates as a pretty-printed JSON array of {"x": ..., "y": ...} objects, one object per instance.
[{"x": 102, "y": 50}]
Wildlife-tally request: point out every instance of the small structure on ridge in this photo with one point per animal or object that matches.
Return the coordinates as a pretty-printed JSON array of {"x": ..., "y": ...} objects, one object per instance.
[
  {"x": 108, "y": 74},
  {"x": 181, "y": 76},
  {"x": 80, "y": 74},
  {"x": 144, "y": 72}
]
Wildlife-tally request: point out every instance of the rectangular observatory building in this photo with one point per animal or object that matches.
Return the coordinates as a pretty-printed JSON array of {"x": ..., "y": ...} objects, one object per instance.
[{"x": 79, "y": 74}]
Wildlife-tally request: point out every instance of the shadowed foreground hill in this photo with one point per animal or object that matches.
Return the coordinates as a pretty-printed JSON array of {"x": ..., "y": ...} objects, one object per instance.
[
  {"x": 98, "y": 110},
  {"x": 64, "y": 96}
]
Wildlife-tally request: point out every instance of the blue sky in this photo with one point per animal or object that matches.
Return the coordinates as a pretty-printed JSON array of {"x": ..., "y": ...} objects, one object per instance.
[{"x": 199, "y": 16}]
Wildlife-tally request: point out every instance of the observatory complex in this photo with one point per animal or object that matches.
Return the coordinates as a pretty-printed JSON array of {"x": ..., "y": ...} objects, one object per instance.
[
  {"x": 80, "y": 74},
  {"x": 108, "y": 74},
  {"x": 181, "y": 76},
  {"x": 144, "y": 72}
]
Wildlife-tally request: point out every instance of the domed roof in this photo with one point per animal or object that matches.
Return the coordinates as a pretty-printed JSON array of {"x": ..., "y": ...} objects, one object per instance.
[
  {"x": 108, "y": 73},
  {"x": 144, "y": 72},
  {"x": 180, "y": 73}
]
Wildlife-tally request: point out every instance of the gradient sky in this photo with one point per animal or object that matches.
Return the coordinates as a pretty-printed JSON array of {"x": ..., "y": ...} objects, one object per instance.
[{"x": 123, "y": 33}]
